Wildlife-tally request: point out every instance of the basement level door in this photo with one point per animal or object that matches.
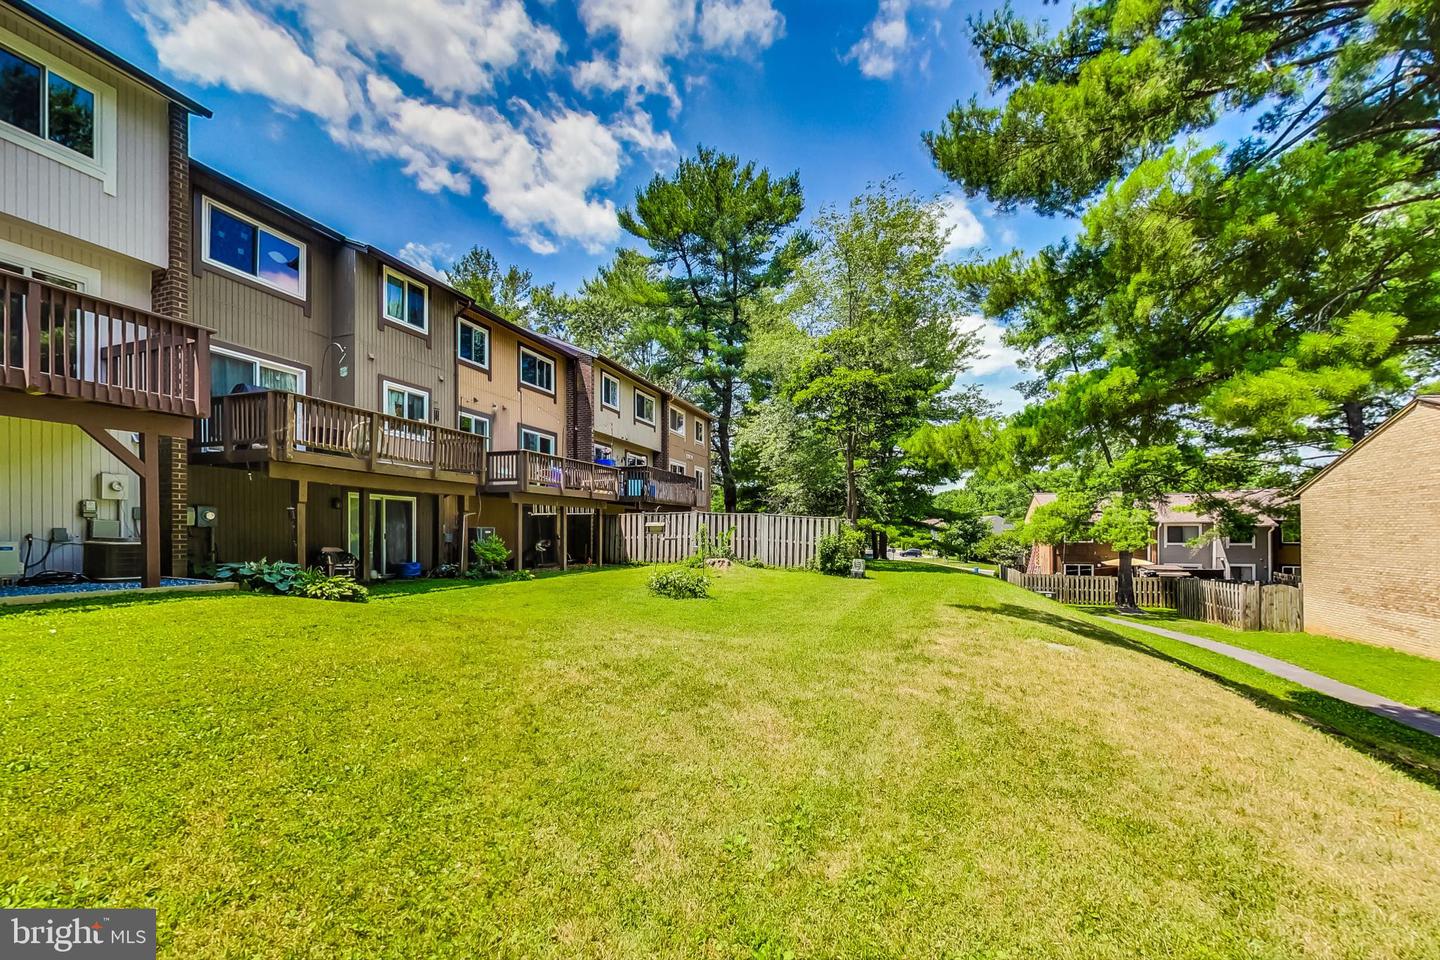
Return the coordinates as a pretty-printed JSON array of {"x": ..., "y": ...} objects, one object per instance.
[{"x": 392, "y": 533}]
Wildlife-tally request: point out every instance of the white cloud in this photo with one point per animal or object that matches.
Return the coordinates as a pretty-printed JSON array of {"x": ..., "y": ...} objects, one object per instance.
[
  {"x": 431, "y": 258},
  {"x": 965, "y": 229},
  {"x": 995, "y": 356},
  {"x": 886, "y": 40},
  {"x": 738, "y": 25}
]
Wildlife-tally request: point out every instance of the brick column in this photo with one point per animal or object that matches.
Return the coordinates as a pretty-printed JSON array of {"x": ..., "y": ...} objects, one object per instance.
[
  {"x": 580, "y": 409},
  {"x": 170, "y": 296},
  {"x": 664, "y": 463}
]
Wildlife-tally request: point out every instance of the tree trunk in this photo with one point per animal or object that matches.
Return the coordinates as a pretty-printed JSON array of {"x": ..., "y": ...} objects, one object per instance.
[
  {"x": 852, "y": 498},
  {"x": 722, "y": 444},
  {"x": 1125, "y": 587},
  {"x": 1354, "y": 421}
]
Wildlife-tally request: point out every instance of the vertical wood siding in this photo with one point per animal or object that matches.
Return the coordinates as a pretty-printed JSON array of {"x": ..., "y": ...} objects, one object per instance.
[
  {"x": 46, "y": 469},
  {"x": 777, "y": 540},
  {"x": 38, "y": 189},
  {"x": 122, "y": 279},
  {"x": 500, "y": 397},
  {"x": 397, "y": 355}
]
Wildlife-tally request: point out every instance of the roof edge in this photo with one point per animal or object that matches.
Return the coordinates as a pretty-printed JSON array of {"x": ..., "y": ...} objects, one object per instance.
[{"x": 1428, "y": 400}]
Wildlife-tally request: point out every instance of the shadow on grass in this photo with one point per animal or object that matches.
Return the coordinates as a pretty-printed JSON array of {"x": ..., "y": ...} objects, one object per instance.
[
  {"x": 395, "y": 589},
  {"x": 97, "y": 600},
  {"x": 910, "y": 566},
  {"x": 1411, "y": 752}
]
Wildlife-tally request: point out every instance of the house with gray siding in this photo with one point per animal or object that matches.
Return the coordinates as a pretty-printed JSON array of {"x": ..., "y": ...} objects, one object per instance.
[{"x": 102, "y": 369}]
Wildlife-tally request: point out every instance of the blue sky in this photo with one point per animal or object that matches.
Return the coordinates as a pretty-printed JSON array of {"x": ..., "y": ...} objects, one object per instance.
[{"x": 427, "y": 126}]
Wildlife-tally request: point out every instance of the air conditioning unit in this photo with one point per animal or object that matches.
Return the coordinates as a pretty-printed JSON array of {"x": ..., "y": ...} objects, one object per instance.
[
  {"x": 114, "y": 559},
  {"x": 11, "y": 565}
]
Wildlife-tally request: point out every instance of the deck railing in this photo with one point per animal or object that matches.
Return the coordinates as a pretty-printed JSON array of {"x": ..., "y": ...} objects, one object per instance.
[
  {"x": 277, "y": 425},
  {"x": 58, "y": 341},
  {"x": 653, "y": 485},
  {"x": 527, "y": 470}
]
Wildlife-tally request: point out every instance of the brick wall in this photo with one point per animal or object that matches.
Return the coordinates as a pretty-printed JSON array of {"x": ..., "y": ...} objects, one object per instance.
[
  {"x": 1368, "y": 532},
  {"x": 580, "y": 409},
  {"x": 665, "y": 434},
  {"x": 170, "y": 296}
]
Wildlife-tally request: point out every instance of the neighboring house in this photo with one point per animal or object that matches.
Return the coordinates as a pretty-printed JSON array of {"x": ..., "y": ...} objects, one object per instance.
[
  {"x": 996, "y": 524},
  {"x": 1184, "y": 539},
  {"x": 101, "y": 371},
  {"x": 1371, "y": 519}
]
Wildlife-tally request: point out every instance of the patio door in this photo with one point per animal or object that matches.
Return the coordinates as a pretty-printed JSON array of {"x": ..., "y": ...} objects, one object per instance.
[{"x": 393, "y": 524}]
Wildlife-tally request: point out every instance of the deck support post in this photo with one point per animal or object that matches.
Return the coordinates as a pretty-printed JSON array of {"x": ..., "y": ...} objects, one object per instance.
[
  {"x": 146, "y": 466},
  {"x": 302, "y": 503},
  {"x": 564, "y": 524},
  {"x": 519, "y": 537},
  {"x": 599, "y": 537},
  {"x": 366, "y": 550}
]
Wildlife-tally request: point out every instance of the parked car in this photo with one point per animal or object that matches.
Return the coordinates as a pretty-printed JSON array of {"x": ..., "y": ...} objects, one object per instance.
[{"x": 913, "y": 553}]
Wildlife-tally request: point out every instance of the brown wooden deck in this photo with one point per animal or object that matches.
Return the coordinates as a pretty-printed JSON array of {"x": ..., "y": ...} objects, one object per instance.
[
  {"x": 528, "y": 472},
  {"x": 651, "y": 486},
  {"x": 247, "y": 428},
  {"x": 58, "y": 342}
]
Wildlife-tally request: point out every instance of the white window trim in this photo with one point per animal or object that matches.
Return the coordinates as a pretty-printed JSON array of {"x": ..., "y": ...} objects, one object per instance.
[
  {"x": 1290, "y": 569},
  {"x": 478, "y": 418},
  {"x": 554, "y": 441},
  {"x": 385, "y": 276},
  {"x": 699, "y": 478},
  {"x": 654, "y": 405},
  {"x": 1198, "y": 528},
  {"x": 699, "y": 430},
  {"x": 210, "y": 204},
  {"x": 1254, "y": 572},
  {"x": 604, "y": 379},
  {"x": 644, "y": 459},
  {"x": 1241, "y": 543},
  {"x": 352, "y": 502},
  {"x": 261, "y": 361},
  {"x": 1080, "y": 566},
  {"x": 677, "y": 467},
  {"x": 102, "y": 167},
  {"x": 543, "y": 359},
  {"x": 460, "y": 326},
  {"x": 681, "y": 414},
  {"x": 87, "y": 277},
  {"x": 387, "y": 385},
  {"x": 1288, "y": 543}
]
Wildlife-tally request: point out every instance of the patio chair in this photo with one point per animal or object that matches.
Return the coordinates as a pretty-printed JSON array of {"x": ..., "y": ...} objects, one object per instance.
[{"x": 339, "y": 562}]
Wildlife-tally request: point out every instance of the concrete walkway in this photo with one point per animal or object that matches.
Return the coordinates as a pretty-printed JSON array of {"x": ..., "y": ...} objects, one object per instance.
[{"x": 1412, "y": 717}]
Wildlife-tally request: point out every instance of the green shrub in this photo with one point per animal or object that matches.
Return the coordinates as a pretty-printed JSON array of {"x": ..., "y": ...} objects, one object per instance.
[
  {"x": 1003, "y": 548},
  {"x": 316, "y": 584},
  {"x": 490, "y": 553},
  {"x": 262, "y": 575},
  {"x": 680, "y": 583},
  {"x": 834, "y": 551},
  {"x": 714, "y": 547}
]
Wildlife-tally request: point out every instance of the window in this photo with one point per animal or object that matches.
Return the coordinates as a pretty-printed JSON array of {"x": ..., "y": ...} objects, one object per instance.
[
  {"x": 1242, "y": 571},
  {"x": 537, "y": 371},
  {"x": 406, "y": 302},
  {"x": 699, "y": 478},
  {"x": 47, "y": 104},
  {"x": 677, "y": 467},
  {"x": 476, "y": 424},
  {"x": 1079, "y": 570},
  {"x": 677, "y": 421},
  {"x": 48, "y": 269},
  {"x": 236, "y": 243},
  {"x": 699, "y": 430},
  {"x": 1177, "y": 535},
  {"x": 536, "y": 441},
  {"x": 1290, "y": 570},
  {"x": 229, "y": 369},
  {"x": 474, "y": 345},
  {"x": 1290, "y": 531},
  {"x": 602, "y": 454},
  {"x": 609, "y": 392},
  {"x": 1247, "y": 542},
  {"x": 407, "y": 402},
  {"x": 644, "y": 408},
  {"x": 636, "y": 460}
]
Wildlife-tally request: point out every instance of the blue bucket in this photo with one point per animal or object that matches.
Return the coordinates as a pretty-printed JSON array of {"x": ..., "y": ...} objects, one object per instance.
[{"x": 405, "y": 571}]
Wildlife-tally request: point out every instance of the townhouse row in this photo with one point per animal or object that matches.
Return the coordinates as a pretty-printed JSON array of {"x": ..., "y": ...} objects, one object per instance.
[{"x": 194, "y": 373}]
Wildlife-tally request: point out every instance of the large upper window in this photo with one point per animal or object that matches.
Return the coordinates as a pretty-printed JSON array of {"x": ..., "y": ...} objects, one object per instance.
[
  {"x": 677, "y": 421},
  {"x": 537, "y": 371},
  {"x": 46, "y": 105},
  {"x": 54, "y": 108},
  {"x": 699, "y": 430},
  {"x": 406, "y": 301},
  {"x": 609, "y": 392},
  {"x": 407, "y": 402},
  {"x": 1177, "y": 535},
  {"x": 644, "y": 408},
  {"x": 241, "y": 245},
  {"x": 474, "y": 346},
  {"x": 536, "y": 441},
  {"x": 230, "y": 370}
]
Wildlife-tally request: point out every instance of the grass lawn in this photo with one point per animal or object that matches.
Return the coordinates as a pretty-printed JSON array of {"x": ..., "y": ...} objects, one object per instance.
[
  {"x": 921, "y": 764},
  {"x": 1400, "y": 676}
]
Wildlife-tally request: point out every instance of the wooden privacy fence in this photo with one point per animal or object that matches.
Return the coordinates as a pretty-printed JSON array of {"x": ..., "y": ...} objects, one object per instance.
[
  {"x": 777, "y": 540},
  {"x": 1094, "y": 591},
  {"x": 1245, "y": 606}
]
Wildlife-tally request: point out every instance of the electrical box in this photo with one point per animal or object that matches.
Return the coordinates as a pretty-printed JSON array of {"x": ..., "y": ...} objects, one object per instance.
[
  {"x": 59, "y": 535},
  {"x": 89, "y": 509},
  {"x": 114, "y": 486},
  {"x": 204, "y": 516},
  {"x": 10, "y": 562},
  {"x": 104, "y": 530}
]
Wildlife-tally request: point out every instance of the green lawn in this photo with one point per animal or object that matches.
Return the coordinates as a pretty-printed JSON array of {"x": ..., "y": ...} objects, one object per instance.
[
  {"x": 1400, "y": 676},
  {"x": 921, "y": 764}
]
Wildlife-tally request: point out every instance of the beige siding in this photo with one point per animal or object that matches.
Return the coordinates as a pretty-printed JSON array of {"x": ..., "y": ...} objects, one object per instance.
[
  {"x": 1369, "y": 529},
  {"x": 685, "y": 450},
  {"x": 498, "y": 395},
  {"x": 122, "y": 279},
  {"x": 38, "y": 189},
  {"x": 621, "y": 428},
  {"x": 46, "y": 469},
  {"x": 390, "y": 352}
]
